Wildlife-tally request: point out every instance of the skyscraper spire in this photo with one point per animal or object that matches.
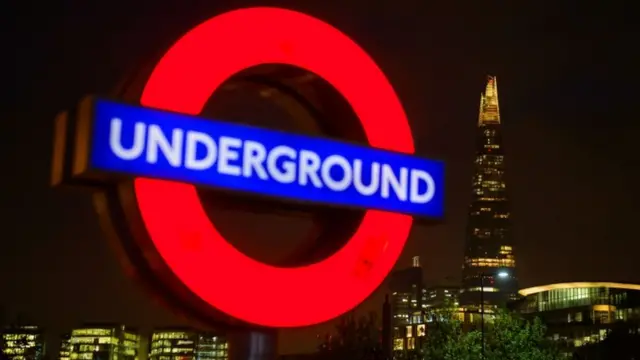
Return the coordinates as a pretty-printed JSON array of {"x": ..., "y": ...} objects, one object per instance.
[
  {"x": 489, "y": 107},
  {"x": 489, "y": 273}
]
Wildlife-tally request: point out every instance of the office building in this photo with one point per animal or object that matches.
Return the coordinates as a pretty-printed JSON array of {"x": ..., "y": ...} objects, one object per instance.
[
  {"x": 23, "y": 343},
  {"x": 489, "y": 267},
  {"x": 408, "y": 307},
  {"x": 187, "y": 344},
  {"x": 104, "y": 342},
  {"x": 65, "y": 347},
  {"x": 582, "y": 313},
  {"x": 439, "y": 297}
]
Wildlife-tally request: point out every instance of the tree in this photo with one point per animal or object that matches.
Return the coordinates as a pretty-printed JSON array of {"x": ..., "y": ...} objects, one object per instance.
[
  {"x": 446, "y": 338},
  {"x": 512, "y": 337},
  {"x": 355, "y": 339},
  {"x": 507, "y": 337}
]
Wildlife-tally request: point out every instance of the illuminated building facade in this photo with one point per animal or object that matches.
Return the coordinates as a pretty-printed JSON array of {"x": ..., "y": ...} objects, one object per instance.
[
  {"x": 186, "y": 344},
  {"x": 104, "y": 342},
  {"x": 442, "y": 296},
  {"x": 65, "y": 347},
  {"x": 488, "y": 273},
  {"x": 408, "y": 307},
  {"x": 581, "y": 313},
  {"x": 23, "y": 343}
]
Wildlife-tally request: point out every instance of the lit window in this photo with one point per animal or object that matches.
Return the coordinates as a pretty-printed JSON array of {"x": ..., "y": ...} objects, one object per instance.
[
  {"x": 485, "y": 289},
  {"x": 398, "y": 344}
]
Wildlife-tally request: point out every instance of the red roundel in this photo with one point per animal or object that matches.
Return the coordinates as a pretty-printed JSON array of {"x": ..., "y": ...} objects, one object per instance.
[{"x": 183, "y": 80}]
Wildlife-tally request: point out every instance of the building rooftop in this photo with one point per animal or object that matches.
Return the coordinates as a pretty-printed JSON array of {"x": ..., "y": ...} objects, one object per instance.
[{"x": 573, "y": 285}]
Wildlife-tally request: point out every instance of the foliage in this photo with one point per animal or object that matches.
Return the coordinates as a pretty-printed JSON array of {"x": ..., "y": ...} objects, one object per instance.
[
  {"x": 355, "y": 339},
  {"x": 511, "y": 337},
  {"x": 506, "y": 337},
  {"x": 446, "y": 338}
]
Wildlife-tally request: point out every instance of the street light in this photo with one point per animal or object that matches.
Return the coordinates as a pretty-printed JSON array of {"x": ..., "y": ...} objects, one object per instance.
[{"x": 501, "y": 274}]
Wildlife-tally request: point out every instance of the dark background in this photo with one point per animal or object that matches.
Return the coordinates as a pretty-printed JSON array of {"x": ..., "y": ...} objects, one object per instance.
[{"x": 567, "y": 77}]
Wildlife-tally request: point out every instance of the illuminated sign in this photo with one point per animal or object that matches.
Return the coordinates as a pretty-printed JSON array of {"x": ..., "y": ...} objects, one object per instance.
[
  {"x": 159, "y": 144},
  {"x": 163, "y": 226}
]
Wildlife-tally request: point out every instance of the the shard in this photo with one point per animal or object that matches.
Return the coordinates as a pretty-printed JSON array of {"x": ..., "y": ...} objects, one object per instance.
[{"x": 489, "y": 267}]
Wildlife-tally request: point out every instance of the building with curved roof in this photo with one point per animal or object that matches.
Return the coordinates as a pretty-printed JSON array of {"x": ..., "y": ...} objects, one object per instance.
[{"x": 579, "y": 313}]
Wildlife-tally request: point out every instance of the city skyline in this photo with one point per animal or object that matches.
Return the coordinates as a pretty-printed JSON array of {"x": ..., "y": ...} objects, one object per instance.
[
  {"x": 488, "y": 119},
  {"x": 113, "y": 341},
  {"x": 567, "y": 98}
]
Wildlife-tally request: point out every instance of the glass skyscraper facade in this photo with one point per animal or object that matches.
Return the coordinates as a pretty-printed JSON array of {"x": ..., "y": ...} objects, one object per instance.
[
  {"x": 489, "y": 265},
  {"x": 22, "y": 343},
  {"x": 408, "y": 304},
  {"x": 583, "y": 313},
  {"x": 187, "y": 344},
  {"x": 104, "y": 342},
  {"x": 65, "y": 347}
]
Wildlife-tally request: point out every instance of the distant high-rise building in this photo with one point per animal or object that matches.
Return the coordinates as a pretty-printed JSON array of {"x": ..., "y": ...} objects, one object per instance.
[
  {"x": 442, "y": 296},
  {"x": 23, "y": 343},
  {"x": 187, "y": 344},
  {"x": 65, "y": 347},
  {"x": 488, "y": 271},
  {"x": 104, "y": 342},
  {"x": 408, "y": 297}
]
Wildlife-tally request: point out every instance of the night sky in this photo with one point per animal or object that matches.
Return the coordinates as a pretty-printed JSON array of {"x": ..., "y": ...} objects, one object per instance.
[{"x": 568, "y": 84}]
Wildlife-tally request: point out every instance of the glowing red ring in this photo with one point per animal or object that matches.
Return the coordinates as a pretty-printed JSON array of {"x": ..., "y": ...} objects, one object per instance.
[{"x": 183, "y": 80}]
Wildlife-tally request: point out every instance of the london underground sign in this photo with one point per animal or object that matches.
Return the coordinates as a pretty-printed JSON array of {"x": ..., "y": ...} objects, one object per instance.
[
  {"x": 158, "y": 144},
  {"x": 169, "y": 151}
]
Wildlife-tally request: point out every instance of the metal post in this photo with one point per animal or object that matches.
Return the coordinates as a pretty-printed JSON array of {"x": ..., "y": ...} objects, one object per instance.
[
  {"x": 387, "y": 336},
  {"x": 610, "y": 300},
  {"x": 482, "y": 311},
  {"x": 253, "y": 344}
]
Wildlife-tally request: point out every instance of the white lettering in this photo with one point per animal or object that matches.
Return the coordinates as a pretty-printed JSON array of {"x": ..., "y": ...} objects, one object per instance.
[
  {"x": 366, "y": 190},
  {"x": 288, "y": 175},
  {"x": 172, "y": 151},
  {"x": 115, "y": 140},
  {"x": 333, "y": 184},
  {"x": 228, "y": 152},
  {"x": 416, "y": 176},
  {"x": 308, "y": 168},
  {"x": 190, "y": 157},
  {"x": 250, "y": 159},
  {"x": 399, "y": 185},
  {"x": 253, "y": 156}
]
